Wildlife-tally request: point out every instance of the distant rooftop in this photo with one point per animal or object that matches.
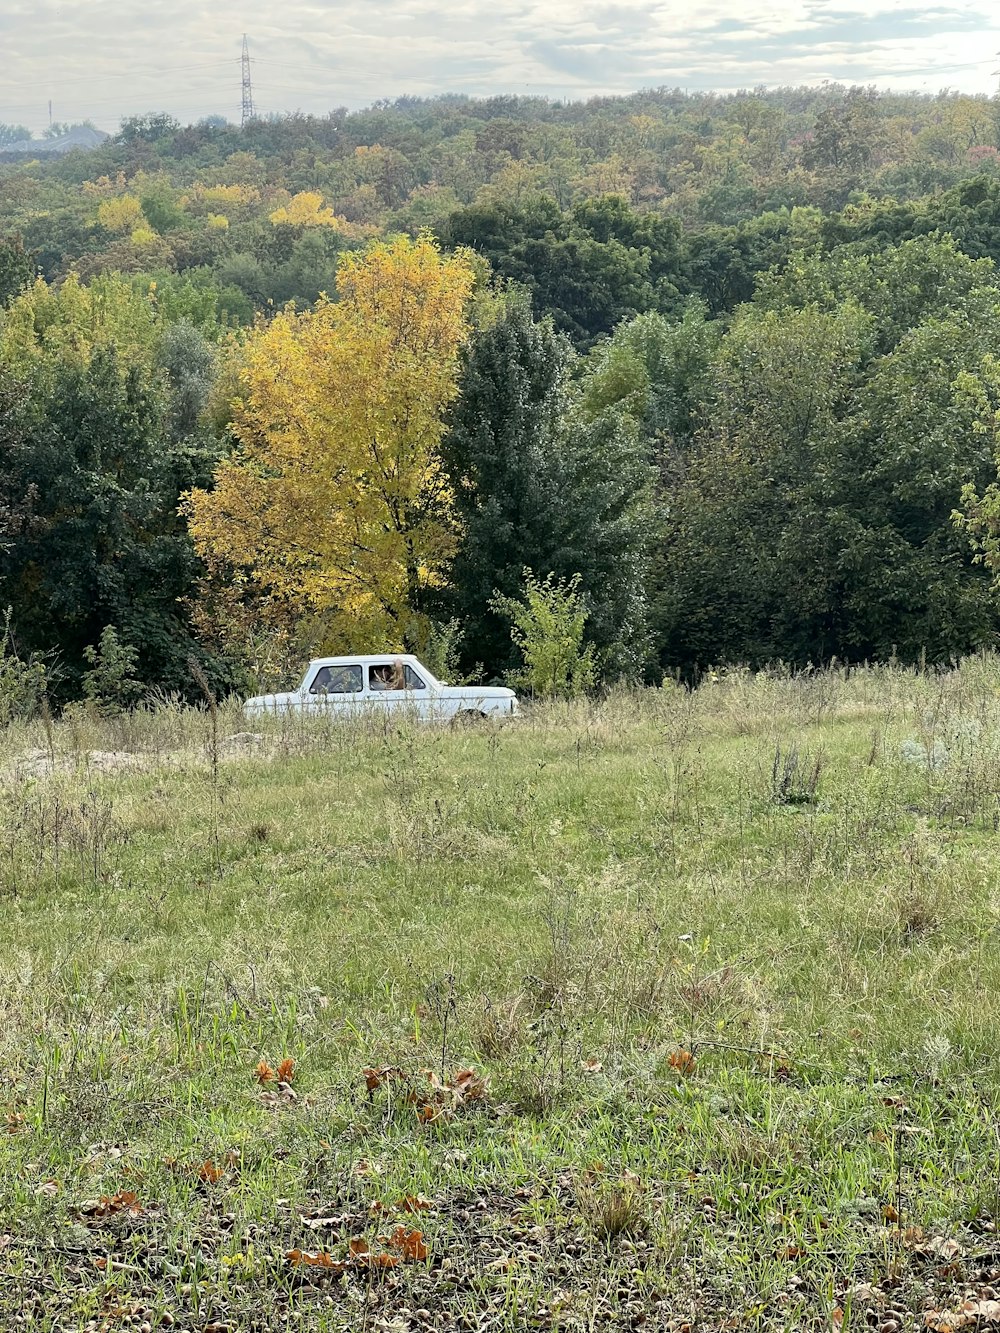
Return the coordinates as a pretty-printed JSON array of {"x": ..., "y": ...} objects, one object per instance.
[{"x": 81, "y": 136}]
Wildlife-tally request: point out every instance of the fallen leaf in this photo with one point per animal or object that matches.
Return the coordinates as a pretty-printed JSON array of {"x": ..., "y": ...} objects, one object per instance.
[
  {"x": 379, "y": 1260},
  {"x": 48, "y": 1189},
  {"x": 363, "y": 1256},
  {"x": 591, "y": 1066},
  {"x": 415, "y": 1203},
  {"x": 265, "y": 1074},
  {"x": 941, "y": 1247},
  {"x": 324, "y": 1223},
  {"x": 469, "y": 1085},
  {"x": 890, "y": 1213},
  {"x": 375, "y": 1078},
  {"x": 110, "y": 1205},
  {"x": 286, "y": 1070},
  {"x": 968, "y": 1314},
  {"x": 683, "y": 1061},
  {"x": 209, "y": 1173},
  {"x": 315, "y": 1259},
  {"x": 411, "y": 1243}
]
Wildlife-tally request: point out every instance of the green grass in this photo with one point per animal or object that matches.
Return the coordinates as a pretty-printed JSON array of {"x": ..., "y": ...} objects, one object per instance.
[{"x": 567, "y": 905}]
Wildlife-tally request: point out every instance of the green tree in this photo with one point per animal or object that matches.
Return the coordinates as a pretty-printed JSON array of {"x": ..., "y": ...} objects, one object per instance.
[
  {"x": 538, "y": 483},
  {"x": 813, "y": 518},
  {"x": 17, "y": 268},
  {"x": 588, "y": 270},
  {"x": 94, "y": 482},
  {"x": 110, "y": 682},
  {"x": 150, "y": 128},
  {"x": 657, "y": 371},
  {"x": 11, "y": 134}
]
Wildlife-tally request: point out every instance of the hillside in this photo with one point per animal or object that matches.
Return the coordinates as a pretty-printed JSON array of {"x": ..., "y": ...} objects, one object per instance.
[
  {"x": 723, "y": 372},
  {"x": 677, "y": 1005}
]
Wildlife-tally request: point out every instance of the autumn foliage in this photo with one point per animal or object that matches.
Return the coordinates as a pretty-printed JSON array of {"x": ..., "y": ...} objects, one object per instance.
[{"x": 335, "y": 506}]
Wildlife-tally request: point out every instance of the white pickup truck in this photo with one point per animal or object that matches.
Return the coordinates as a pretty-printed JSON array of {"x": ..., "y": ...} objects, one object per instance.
[{"x": 355, "y": 686}]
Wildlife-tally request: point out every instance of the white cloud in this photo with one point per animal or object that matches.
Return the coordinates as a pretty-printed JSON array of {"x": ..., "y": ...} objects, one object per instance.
[{"x": 107, "y": 58}]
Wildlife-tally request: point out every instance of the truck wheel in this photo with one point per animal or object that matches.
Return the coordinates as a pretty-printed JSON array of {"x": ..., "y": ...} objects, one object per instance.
[{"x": 469, "y": 717}]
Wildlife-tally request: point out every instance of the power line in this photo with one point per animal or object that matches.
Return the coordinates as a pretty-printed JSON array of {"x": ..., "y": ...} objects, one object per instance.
[{"x": 248, "y": 111}]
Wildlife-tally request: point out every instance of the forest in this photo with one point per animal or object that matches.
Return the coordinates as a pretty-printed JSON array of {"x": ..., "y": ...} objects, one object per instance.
[{"x": 658, "y": 383}]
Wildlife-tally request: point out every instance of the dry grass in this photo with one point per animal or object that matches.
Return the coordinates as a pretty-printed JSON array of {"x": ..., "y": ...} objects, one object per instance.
[{"x": 562, "y": 905}]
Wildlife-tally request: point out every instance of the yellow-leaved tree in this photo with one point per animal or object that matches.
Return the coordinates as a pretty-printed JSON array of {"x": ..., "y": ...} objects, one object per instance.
[
  {"x": 334, "y": 511},
  {"x": 306, "y": 210}
]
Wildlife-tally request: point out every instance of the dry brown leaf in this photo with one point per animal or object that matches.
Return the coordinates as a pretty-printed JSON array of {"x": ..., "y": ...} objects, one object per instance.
[
  {"x": 379, "y": 1260},
  {"x": 414, "y": 1203},
  {"x": 941, "y": 1247},
  {"x": 324, "y": 1223},
  {"x": 366, "y": 1258},
  {"x": 968, "y": 1315},
  {"x": 110, "y": 1205},
  {"x": 48, "y": 1189},
  {"x": 265, "y": 1074},
  {"x": 683, "y": 1061},
  {"x": 411, "y": 1243},
  {"x": 469, "y": 1085},
  {"x": 315, "y": 1259},
  {"x": 375, "y": 1078},
  {"x": 286, "y": 1070},
  {"x": 591, "y": 1066},
  {"x": 209, "y": 1173}
]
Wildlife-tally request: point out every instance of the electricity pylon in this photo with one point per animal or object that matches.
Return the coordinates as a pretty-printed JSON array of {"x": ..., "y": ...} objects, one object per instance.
[{"x": 248, "y": 111}]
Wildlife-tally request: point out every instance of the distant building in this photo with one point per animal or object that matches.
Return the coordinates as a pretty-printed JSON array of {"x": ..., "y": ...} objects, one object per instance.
[{"x": 81, "y": 136}]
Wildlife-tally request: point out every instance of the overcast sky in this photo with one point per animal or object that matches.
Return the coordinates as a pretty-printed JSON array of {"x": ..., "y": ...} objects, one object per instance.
[{"x": 102, "y": 59}]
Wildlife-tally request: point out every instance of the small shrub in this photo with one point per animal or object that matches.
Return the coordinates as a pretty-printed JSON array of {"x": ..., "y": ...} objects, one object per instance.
[
  {"x": 22, "y": 683},
  {"x": 613, "y": 1208},
  {"x": 110, "y": 684},
  {"x": 918, "y": 913},
  {"x": 547, "y": 627},
  {"x": 500, "y": 1027},
  {"x": 440, "y": 649},
  {"x": 795, "y": 778}
]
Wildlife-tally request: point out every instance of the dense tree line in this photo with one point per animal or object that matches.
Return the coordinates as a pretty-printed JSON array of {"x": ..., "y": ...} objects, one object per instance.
[
  {"x": 259, "y": 215},
  {"x": 728, "y": 432}
]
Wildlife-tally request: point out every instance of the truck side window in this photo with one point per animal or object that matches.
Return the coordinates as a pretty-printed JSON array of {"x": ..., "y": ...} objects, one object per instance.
[
  {"x": 337, "y": 680},
  {"x": 413, "y": 681}
]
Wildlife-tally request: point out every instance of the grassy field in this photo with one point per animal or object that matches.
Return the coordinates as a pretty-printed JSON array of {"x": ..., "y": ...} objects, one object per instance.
[{"x": 672, "y": 1010}]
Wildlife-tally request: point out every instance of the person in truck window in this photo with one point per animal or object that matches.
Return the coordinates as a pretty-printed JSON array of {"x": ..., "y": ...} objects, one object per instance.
[{"x": 387, "y": 677}]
